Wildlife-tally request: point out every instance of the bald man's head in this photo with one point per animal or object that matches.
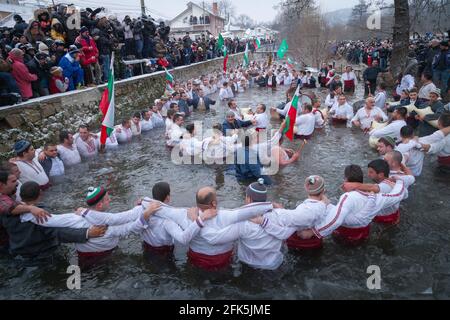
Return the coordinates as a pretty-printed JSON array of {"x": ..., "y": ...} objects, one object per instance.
[{"x": 207, "y": 198}]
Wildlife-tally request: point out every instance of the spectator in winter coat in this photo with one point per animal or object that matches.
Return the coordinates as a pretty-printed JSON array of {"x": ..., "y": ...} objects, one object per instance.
[
  {"x": 21, "y": 74},
  {"x": 90, "y": 61},
  {"x": 72, "y": 68}
]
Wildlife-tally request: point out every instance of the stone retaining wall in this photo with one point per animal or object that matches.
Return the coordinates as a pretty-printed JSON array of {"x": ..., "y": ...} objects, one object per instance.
[{"x": 41, "y": 120}]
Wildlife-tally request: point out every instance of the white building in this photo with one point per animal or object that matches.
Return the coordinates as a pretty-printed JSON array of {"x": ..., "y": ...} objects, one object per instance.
[{"x": 197, "y": 20}]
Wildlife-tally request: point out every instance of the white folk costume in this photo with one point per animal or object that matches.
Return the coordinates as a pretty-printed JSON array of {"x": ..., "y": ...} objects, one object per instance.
[
  {"x": 162, "y": 233},
  {"x": 440, "y": 145},
  {"x": 237, "y": 114},
  {"x": 157, "y": 120},
  {"x": 191, "y": 146},
  {"x": 120, "y": 225},
  {"x": 111, "y": 141},
  {"x": 305, "y": 124},
  {"x": 284, "y": 224},
  {"x": 226, "y": 94},
  {"x": 366, "y": 117},
  {"x": 205, "y": 255},
  {"x": 136, "y": 129},
  {"x": 256, "y": 247},
  {"x": 407, "y": 83},
  {"x": 175, "y": 135},
  {"x": 262, "y": 121},
  {"x": 169, "y": 123},
  {"x": 424, "y": 92},
  {"x": 320, "y": 118},
  {"x": 124, "y": 135},
  {"x": 331, "y": 100},
  {"x": 70, "y": 156},
  {"x": 350, "y": 219},
  {"x": 350, "y": 81},
  {"x": 32, "y": 171},
  {"x": 87, "y": 149},
  {"x": 391, "y": 130},
  {"x": 380, "y": 99},
  {"x": 412, "y": 156},
  {"x": 147, "y": 125},
  {"x": 344, "y": 111}
]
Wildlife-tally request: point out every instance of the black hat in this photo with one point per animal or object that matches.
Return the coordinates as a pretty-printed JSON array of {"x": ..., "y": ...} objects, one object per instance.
[{"x": 83, "y": 30}]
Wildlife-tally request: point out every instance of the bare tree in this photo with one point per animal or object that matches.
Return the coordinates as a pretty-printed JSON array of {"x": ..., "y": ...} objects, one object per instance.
[
  {"x": 400, "y": 36},
  {"x": 244, "y": 21}
]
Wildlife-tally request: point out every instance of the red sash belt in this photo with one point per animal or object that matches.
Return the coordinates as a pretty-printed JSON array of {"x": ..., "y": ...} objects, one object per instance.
[
  {"x": 349, "y": 85},
  {"x": 208, "y": 262},
  {"x": 303, "y": 137},
  {"x": 260, "y": 129},
  {"x": 339, "y": 121},
  {"x": 352, "y": 235},
  {"x": 445, "y": 161},
  {"x": 393, "y": 218},
  {"x": 158, "y": 250},
  {"x": 295, "y": 242},
  {"x": 101, "y": 254}
]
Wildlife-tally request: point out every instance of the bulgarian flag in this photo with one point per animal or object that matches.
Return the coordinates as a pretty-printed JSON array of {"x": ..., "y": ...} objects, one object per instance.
[
  {"x": 257, "y": 43},
  {"x": 222, "y": 47},
  {"x": 246, "y": 58},
  {"x": 225, "y": 59},
  {"x": 292, "y": 116},
  {"x": 169, "y": 80},
  {"x": 107, "y": 106}
]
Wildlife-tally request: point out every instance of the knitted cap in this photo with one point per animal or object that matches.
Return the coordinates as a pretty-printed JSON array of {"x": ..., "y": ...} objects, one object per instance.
[
  {"x": 21, "y": 146},
  {"x": 257, "y": 191},
  {"x": 95, "y": 195},
  {"x": 314, "y": 185}
]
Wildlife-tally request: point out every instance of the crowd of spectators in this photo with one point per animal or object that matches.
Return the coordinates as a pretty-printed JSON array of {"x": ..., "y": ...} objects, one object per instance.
[{"x": 47, "y": 55}]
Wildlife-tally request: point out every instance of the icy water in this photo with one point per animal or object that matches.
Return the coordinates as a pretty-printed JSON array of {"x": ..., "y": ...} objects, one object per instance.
[{"x": 414, "y": 257}]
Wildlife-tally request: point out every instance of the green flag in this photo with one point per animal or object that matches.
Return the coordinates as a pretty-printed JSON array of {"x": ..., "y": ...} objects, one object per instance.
[
  {"x": 284, "y": 47},
  {"x": 221, "y": 42}
]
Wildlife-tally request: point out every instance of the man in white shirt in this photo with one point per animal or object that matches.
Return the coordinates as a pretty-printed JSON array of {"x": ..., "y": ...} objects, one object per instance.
[
  {"x": 427, "y": 87},
  {"x": 410, "y": 149},
  {"x": 367, "y": 114},
  {"x": 233, "y": 107},
  {"x": 87, "y": 144},
  {"x": 407, "y": 82},
  {"x": 439, "y": 142},
  {"x": 123, "y": 132},
  {"x": 393, "y": 129},
  {"x": 225, "y": 92},
  {"x": 305, "y": 123},
  {"x": 261, "y": 118},
  {"x": 67, "y": 149},
  {"x": 51, "y": 162},
  {"x": 176, "y": 132},
  {"x": 160, "y": 236},
  {"x": 29, "y": 167},
  {"x": 342, "y": 112},
  {"x": 380, "y": 97},
  {"x": 136, "y": 128},
  {"x": 147, "y": 121}
]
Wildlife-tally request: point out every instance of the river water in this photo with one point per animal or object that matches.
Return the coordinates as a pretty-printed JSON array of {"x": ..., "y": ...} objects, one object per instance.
[{"x": 414, "y": 257}]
